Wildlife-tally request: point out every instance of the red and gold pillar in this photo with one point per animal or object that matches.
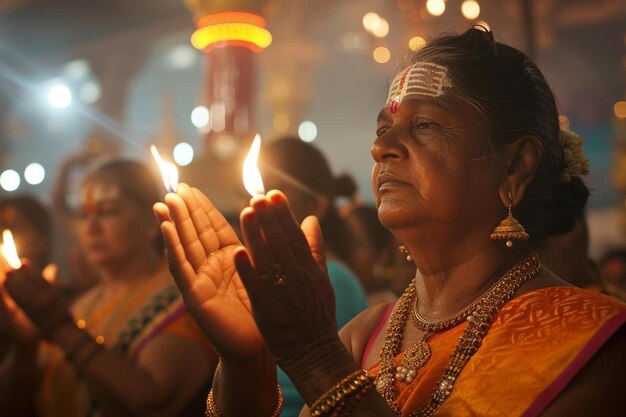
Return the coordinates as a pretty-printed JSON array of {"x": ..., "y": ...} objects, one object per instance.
[
  {"x": 230, "y": 33},
  {"x": 230, "y": 36}
]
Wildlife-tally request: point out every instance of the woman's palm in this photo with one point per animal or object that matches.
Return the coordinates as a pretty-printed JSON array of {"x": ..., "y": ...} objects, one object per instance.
[
  {"x": 201, "y": 246},
  {"x": 220, "y": 295}
]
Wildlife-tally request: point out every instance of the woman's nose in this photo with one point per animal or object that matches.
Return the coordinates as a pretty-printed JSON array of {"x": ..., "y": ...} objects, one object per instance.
[
  {"x": 91, "y": 223},
  {"x": 387, "y": 147}
]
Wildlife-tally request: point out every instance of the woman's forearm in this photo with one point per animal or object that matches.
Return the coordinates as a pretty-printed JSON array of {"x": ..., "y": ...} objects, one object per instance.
[{"x": 246, "y": 387}]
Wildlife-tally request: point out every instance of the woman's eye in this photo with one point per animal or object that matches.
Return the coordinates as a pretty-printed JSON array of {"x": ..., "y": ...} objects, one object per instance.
[
  {"x": 99, "y": 212},
  {"x": 423, "y": 125},
  {"x": 108, "y": 211},
  {"x": 381, "y": 131}
]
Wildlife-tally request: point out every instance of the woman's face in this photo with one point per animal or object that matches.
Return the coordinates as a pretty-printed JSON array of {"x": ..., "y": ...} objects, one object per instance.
[
  {"x": 112, "y": 228},
  {"x": 434, "y": 167}
]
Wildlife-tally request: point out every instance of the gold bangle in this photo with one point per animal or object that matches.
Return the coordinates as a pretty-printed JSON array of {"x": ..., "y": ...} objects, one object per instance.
[
  {"x": 353, "y": 383},
  {"x": 278, "y": 404},
  {"x": 211, "y": 407},
  {"x": 213, "y": 411}
]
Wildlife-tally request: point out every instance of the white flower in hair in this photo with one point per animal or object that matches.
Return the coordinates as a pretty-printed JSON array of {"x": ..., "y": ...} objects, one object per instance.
[{"x": 576, "y": 162}]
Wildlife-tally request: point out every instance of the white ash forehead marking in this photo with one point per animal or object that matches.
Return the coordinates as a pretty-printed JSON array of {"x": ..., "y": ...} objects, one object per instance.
[
  {"x": 422, "y": 78},
  {"x": 100, "y": 192}
]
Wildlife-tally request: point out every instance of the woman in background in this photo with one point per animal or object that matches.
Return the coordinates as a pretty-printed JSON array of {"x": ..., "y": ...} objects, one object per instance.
[{"x": 126, "y": 347}]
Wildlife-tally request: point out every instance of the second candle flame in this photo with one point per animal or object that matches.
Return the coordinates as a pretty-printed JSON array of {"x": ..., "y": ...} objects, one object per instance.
[
  {"x": 168, "y": 171},
  {"x": 8, "y": 250},
  {"x": 251, "y": 176}
]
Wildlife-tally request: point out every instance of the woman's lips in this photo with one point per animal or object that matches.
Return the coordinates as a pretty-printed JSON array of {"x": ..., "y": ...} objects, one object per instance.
[{"x": 387, "y": 180}]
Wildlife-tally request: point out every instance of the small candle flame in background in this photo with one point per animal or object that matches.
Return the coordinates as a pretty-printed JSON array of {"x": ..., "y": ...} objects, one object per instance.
[
  {"x": 251, "y": 176},
  {"x": 168, "y": 171},
  {"x": 8, "y": 250}
]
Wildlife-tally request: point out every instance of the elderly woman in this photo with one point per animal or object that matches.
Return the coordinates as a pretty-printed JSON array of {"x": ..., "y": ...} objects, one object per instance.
[
  {"x": 127, "y": 347},
  {"x": 469, "y": 136}
]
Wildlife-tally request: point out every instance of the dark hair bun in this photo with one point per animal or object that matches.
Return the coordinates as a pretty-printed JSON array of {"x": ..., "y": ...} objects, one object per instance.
[
  {"x": 569, "y": 200},
  {"x": 345, "y": 186}
]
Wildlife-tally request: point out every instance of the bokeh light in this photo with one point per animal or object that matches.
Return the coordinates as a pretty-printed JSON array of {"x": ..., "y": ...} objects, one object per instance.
[
  {"x": 183, "y": 154},
  {"x": 60, "y": 96},
  {"x": 34, "y": 173},
  {"x": 416, "y": 43},
  {"x": 200, "y": 117},
  {"x": 382, "y": 29},
  {"x": 182, "y": 57},
  {"x": 307, "y": 131},
  {"x": 10, "y": 180},
  {"x": 470, "y": 9},
  {"x": 90, "y": 92},
  {"x": 77, "y": 69},
  {"x": 381, "y": 55},
  {"x": 436, "y": 7},
  {"x": 370, "y": 21}
]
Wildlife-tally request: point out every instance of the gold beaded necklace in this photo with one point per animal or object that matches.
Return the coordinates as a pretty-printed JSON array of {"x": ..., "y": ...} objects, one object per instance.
[
  {"x": 479, "y": 314},
  {"x": 416, "y": 355}
]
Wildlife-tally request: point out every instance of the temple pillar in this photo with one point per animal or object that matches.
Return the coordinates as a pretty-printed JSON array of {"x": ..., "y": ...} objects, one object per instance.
[{"x": 230, "y": 33}]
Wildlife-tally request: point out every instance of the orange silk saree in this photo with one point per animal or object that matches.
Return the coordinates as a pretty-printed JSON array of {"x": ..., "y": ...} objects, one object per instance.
[{"x": 538, "y": 342}]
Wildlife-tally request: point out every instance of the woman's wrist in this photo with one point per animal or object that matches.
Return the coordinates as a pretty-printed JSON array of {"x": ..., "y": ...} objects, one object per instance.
[
  {"x": 319, "y": 369},
  {"x": 255, "y": 358},
  {"x": 253, "y": 378},
  {"x": 66, "y": 335},
  {"x": 78, "y": 346},
  {"x": 277, "y": 407}
]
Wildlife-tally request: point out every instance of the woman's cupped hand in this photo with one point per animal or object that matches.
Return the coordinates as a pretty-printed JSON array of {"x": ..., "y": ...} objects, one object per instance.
[
  {"x": 272, "y": 294},
  {"x": 284, "y": 270},
  {"x": 200, "y": 250},
  {"x": 30, "y": 305}
]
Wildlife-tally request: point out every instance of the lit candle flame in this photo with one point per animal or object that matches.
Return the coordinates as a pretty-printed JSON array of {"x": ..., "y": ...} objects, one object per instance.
[
  {"x": 168, "y": 171},
  {"x": 251, "y": 176},
  {"x": 8, "y": 250}
]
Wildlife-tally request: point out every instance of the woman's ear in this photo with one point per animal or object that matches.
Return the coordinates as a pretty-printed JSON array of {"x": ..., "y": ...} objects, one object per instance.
[{"x": 523, "y": 158}]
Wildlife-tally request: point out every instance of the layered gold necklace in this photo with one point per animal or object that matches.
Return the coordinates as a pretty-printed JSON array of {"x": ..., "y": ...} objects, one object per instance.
[{"x": 479, "y": 314}]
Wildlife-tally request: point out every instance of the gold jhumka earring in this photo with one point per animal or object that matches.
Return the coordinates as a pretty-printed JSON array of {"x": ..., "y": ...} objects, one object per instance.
[
  {"x": 509, "y": 228},
  {"x": 404, "y": 250}
]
